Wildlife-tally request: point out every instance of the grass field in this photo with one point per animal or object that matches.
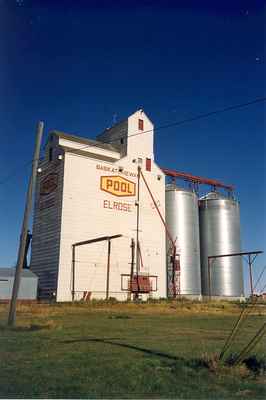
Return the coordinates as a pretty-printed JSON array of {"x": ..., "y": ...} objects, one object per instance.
[{"x": 164, "y": 350}]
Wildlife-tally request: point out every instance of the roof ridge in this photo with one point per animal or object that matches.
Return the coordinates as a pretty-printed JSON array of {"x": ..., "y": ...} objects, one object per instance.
[{"x": 84, "y": 140}]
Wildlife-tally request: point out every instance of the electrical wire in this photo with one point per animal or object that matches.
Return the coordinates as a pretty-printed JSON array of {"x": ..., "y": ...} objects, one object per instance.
[
  {"x": 17, "y": 170},
  {"x": 181, "y": 122},
  {"x": 197, "y": 117},
  {"x": 259, "y": 278},
  {"x": 166, "y": 126},
  {"x": 14, "y": 172}
]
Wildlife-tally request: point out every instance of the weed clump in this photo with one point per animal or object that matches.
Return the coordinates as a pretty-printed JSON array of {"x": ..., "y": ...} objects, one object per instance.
[
  {"x": 119, "y": 316},
  {"x": 209, "y": 361},
  {"x": 256, "y": 364},
  {"x": 253, "y": 363}
]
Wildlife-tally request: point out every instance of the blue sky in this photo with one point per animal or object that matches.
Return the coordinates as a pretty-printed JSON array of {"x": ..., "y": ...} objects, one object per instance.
[{"x": 76, "y": 65}]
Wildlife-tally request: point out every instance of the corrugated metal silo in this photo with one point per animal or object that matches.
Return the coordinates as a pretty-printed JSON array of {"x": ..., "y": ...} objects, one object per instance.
[
  {"x": 182, "y": 219},
  {"x": 220, "y": 234}
]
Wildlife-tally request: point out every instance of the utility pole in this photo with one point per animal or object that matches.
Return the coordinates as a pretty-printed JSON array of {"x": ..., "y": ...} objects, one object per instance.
[
  {"x": 108, "y": 268},
  {"x": 250, "y": 275},
  {"x": 209, "y": 278},
  {"x": 137, "y": 238},
  {"x": 73, "y": 271},
  {"x": 24, "y": 230},
  {"x": 132, "y": 246}
]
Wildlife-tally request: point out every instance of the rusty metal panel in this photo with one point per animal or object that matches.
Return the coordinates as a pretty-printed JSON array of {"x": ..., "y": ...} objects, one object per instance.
[{"x": 140, "y": 284}]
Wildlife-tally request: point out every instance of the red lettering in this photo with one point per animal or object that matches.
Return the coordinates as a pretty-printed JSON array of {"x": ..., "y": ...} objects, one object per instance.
[{"x": 117, "y": 206}]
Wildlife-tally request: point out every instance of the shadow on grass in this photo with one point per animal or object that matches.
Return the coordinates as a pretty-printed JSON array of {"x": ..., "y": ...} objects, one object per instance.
[
  {"x": 195, "y": 363},
  {"x": 207, "y": 361}
]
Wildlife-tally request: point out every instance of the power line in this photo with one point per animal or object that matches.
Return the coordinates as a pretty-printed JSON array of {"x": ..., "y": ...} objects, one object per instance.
[
  {"x": 166, "y": 126},
  {"x": 14, "y": 172},
  {"x": 259, "y": 278},
  {"x": 181, "y": 122},
  {"x": 200, "y": 116},
  {"x": 17, "y": 171}
]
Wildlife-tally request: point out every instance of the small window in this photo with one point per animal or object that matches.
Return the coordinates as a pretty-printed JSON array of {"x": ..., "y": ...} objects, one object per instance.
[
  {"x": 121, "y": 141},
  {"x": 141, "y": 124},
  {"x": 51, "y": 154},
  {"x": 148, "y": 164}
]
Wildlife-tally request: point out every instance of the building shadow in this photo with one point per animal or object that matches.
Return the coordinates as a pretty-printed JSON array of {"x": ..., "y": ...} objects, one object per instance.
[{"x": 125, "y": 345}]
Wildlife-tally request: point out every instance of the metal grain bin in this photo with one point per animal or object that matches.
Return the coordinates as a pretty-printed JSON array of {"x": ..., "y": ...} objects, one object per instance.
[
  {"x": 182, "y": 218},
  {"x": 220, "y": 234}
]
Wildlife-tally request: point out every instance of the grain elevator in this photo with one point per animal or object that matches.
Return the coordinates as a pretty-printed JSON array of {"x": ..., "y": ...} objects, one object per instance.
[
  {"x": 109, "y": 223},
  {"x": 89, "y": 190}
]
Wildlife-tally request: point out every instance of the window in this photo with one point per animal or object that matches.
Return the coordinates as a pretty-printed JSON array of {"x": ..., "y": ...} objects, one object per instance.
[
  {"x": 141, "y": 124},
  {"x": 121, "y": 141},
  {"x": 50, "y": 154},
  {"x": 148, "y": 164}
]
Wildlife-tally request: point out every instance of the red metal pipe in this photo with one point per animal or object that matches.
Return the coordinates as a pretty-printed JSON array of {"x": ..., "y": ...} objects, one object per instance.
[
  {"x": 196, "y": 179},
  {"x": 168, "y": 234},
  {"x": 157, "y": 209}
]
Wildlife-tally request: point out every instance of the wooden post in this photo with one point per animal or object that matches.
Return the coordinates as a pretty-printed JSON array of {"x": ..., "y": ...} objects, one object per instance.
[
  {"x": 24, "y": 230},
  {"x": 174, "y": 271},
  {"x": 108, "y": 268},
  {"x": 132, "y": 262},
  {"x": 73, "y": 271},
  {"x": 250, "y": 275},
  {"x": 209, "y": 278},
  {"x": 137, "y": 238}
]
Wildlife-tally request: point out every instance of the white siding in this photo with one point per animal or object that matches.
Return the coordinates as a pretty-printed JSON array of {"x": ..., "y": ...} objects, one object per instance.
[
  {"x": 84, "y": 217},
  {"x": 90, "y": 149},
  {"x": 140, "y": 143},
  {"x": 82, "y": 210}
]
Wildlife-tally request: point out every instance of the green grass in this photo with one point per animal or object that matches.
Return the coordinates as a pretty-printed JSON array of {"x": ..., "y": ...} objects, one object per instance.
[{"x": 99, "y": 350}]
